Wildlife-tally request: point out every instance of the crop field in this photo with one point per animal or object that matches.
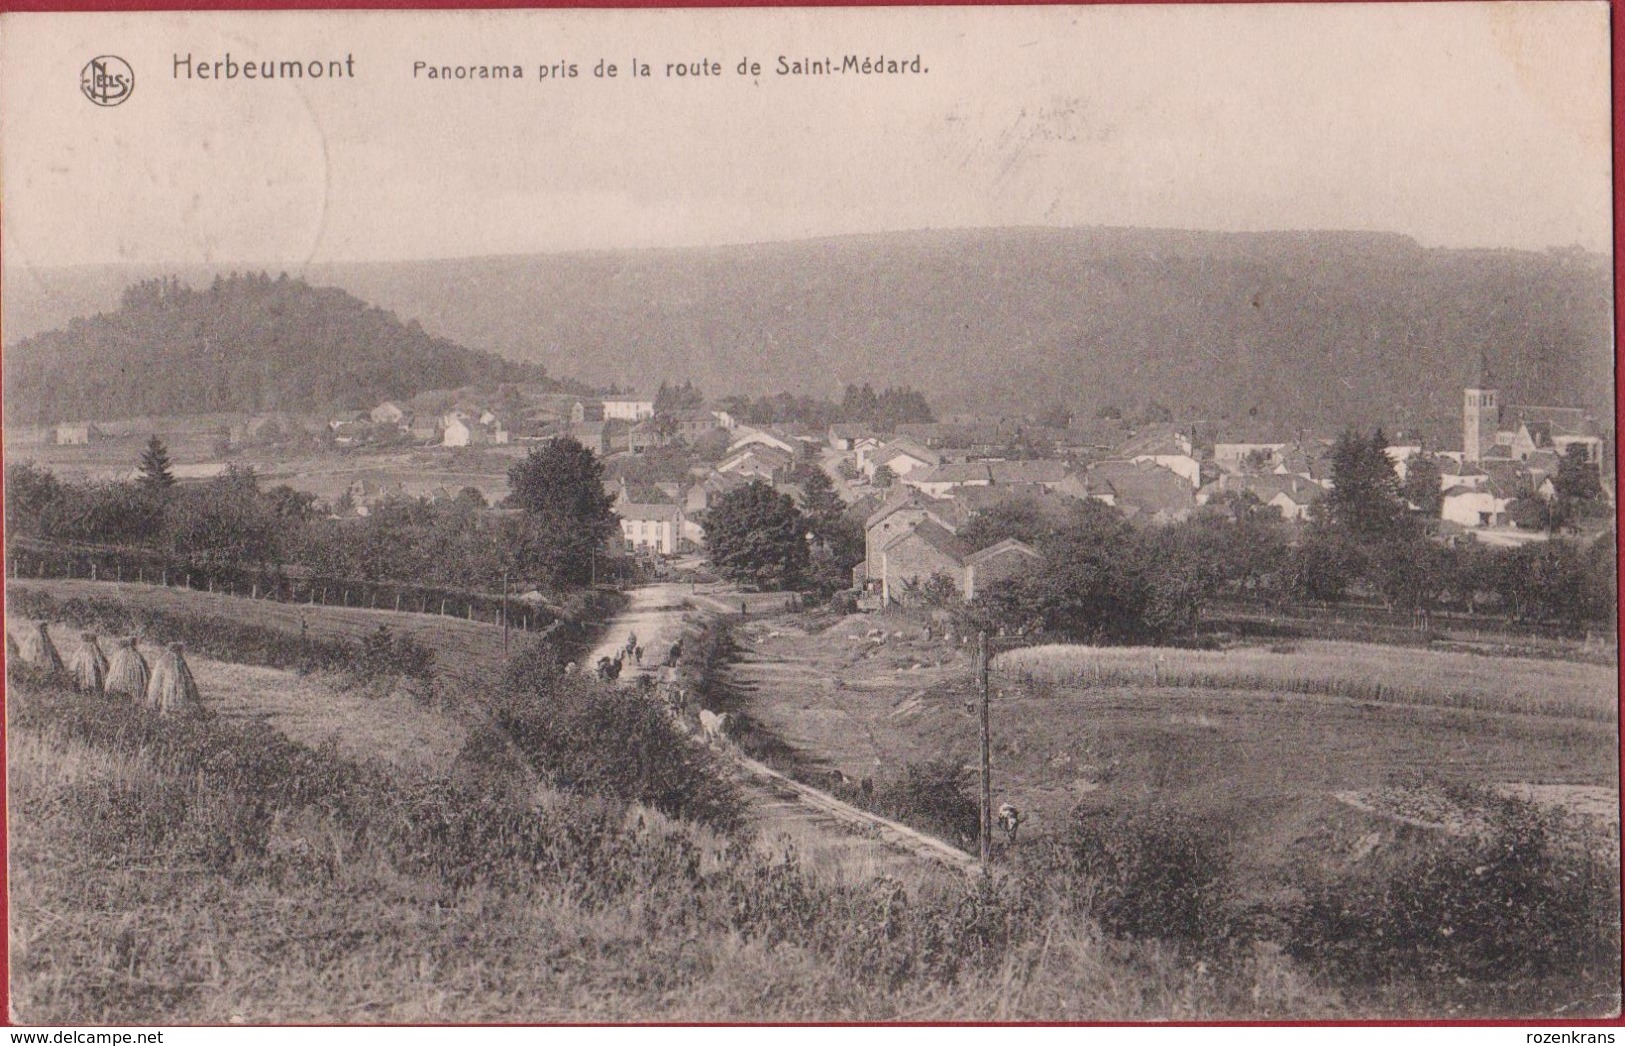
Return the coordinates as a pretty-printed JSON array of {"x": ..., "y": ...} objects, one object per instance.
[
  {"x": 1263, "y": 742},
  {"x": 462, "y": 648},
  {"x": 1359, "y": 671}
]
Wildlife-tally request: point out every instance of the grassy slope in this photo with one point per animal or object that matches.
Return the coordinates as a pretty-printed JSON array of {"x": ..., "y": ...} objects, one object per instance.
[{"x": 329, "y": 903}]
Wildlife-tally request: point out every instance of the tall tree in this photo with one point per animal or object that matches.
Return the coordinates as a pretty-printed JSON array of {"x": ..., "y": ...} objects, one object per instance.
[
  {"x": 757, "y": 536},
  {"x": 560, "y": 488},
  {"x": 1577, "y": 478},
  {"x": 1365, "y": 498},
  {"x": 562, "y": 479},
  {"x": 156, "y": 473},
  {"x": 1423, "y": 487}
]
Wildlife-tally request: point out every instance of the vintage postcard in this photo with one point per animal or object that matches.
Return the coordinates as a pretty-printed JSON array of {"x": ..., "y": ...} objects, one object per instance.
[{"x": 1021, "y": 514}]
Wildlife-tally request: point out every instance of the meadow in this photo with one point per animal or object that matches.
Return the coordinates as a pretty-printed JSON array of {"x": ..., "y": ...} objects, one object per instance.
[
  {"x": 520, "y": 849},
  {"x": 1279, "y": 767},
  {"x": 219, "y": 873},
  {"x": 1357, "y": 671}
]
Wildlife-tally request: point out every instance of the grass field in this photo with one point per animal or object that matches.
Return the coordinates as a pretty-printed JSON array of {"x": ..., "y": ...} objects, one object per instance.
[
  {"x": 1360, "y": 671},
  {"x": 463, "y": 649},
  {"x": 219, "y": 875},
  {"x": 1261, "y": 742}
]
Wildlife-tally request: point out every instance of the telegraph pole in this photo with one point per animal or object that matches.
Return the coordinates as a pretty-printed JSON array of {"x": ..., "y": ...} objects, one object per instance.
[
  {"x": 983, "y": 670},
  {"x": 504, "y": 613}
]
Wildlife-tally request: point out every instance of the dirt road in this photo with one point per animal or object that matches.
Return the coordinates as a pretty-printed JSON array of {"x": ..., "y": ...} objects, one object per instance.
[
  {"x": 825, "y": 832},
  {"x": 655, "y": 617}
]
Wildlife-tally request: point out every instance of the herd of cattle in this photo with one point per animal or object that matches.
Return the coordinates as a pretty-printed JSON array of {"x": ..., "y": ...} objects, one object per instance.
[{"x": 662, "y": 685}]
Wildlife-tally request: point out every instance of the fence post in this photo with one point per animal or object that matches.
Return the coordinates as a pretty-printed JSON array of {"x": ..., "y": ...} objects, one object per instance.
[
  {"x": 397, "y": 601},
  {"x": 442, "y": 608}
]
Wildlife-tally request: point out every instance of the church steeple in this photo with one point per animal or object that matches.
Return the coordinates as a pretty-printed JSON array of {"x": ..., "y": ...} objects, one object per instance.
[{"x": 1480, "y": 412}]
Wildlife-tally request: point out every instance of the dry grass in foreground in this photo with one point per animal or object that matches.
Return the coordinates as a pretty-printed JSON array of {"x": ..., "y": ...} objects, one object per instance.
[{"x": 214, "y": 872}]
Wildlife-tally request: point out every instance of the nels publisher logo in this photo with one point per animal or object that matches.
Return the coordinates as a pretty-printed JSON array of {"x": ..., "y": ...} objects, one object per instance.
[{"x": 107, "y": 80}]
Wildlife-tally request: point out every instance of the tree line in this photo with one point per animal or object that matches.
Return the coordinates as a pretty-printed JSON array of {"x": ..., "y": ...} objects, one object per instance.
[{"x": 553, "y": 538}]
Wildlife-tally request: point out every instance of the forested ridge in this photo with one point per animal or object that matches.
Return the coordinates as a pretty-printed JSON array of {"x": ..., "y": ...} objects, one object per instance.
[{"x": 242, "y": 343}]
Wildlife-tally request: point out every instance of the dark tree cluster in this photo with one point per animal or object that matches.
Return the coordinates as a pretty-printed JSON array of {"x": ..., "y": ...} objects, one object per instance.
[
  {"x": 882, "y": 411},
  {"x": 230, "y": 521},
  {"x": 246, "y": 343},
  {"x": 757, "y": 537}
]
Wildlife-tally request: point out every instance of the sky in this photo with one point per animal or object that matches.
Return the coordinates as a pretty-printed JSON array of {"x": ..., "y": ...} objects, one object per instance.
[{"x": 1461, "y": 125}]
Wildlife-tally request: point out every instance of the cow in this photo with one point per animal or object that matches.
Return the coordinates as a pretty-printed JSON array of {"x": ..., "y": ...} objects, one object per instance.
[
  {"x": 1009, "y": 820},
  {"x": 714, "y": 724}
]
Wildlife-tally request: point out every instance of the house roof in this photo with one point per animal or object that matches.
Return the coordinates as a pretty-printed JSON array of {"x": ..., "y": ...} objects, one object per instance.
[
  {"x": 1003, "y": 548},
  {"x": 633, "y": 510},
  {"x": 907, "y": 497},
  {"x": 1039, "y": 471},
  {"x": 954, "y": 472},
  {"x": 1146, "y": 485},
  {"x": 1563, "y": 421},
  {"x": 912, "y": 447},
  {"x": 841, "y": 430},
  {"x": 628, "y": 398},
  {"x": 934, "y": 534}
]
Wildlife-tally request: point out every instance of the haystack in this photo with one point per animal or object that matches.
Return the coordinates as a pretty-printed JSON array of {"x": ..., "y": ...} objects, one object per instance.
[
  {"x": 127, "y": 670},
  {"x": 172, "y": 690},
  {"x": 37, "y": 649},
  {"x": 88, "y": 666}
]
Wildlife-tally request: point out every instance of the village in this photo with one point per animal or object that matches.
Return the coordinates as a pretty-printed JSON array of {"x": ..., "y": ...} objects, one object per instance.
[{"x": 913, "y": 488}]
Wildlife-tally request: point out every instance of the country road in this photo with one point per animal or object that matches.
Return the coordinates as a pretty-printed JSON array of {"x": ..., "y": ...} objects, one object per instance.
[{"x": 826, "y": 832}]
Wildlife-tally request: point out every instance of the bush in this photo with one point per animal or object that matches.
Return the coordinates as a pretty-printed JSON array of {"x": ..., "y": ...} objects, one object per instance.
[
  {"x": 1507, "y": 901},
  {"x": 933, "y": 795},
  {"x": 384, "y": 655},
  {"x": 1150, "y": 872},
  {"x": 593, "y": 739}
]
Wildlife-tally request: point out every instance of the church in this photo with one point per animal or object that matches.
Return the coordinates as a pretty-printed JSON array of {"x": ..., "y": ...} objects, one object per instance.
[{"x": 1534, "y": 436}]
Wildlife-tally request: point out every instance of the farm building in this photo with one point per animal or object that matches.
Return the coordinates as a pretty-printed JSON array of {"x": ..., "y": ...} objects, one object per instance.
[{"x": 70, "y": 435}]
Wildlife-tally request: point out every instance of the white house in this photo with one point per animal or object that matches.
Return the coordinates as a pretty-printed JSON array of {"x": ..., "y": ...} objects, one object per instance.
[
  {"x": 390, "y": 413},
  {"x": 628, "y": 408},
  {"x": 1474, "y": 508},
  {"x": 460, "y": 431},
  {"x": 942, "y": 480},
  {"x": 651, "y": 528},
  {"x": 1231, "y": 456}
]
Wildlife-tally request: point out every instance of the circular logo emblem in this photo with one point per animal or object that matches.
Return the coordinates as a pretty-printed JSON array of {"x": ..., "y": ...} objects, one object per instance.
[{"x": 107, "y": 80}]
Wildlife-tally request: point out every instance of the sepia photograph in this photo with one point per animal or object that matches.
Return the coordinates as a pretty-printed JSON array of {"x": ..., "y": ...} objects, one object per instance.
[{"x": 1007, "y": 515}]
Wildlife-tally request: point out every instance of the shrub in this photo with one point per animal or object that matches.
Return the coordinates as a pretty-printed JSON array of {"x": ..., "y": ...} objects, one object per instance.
[
  {"x": 384, "y": 655},
  {"x": 593, "y": 739},
  {"x": 1508, "y": 900},
  {"x": 1148, "y": 872},
  {"x": 933, "y": 795}
]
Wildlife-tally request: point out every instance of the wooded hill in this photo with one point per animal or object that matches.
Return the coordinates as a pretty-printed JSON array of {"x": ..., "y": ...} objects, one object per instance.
[
  {"x": 1300, "y": 329},
  {"x": 241, "y": 343}
]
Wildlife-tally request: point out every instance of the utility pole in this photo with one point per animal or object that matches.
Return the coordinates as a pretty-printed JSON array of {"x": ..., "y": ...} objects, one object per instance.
[
  {"x": 983, "y": 671},
  {"x": 504, "y": 613}
]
